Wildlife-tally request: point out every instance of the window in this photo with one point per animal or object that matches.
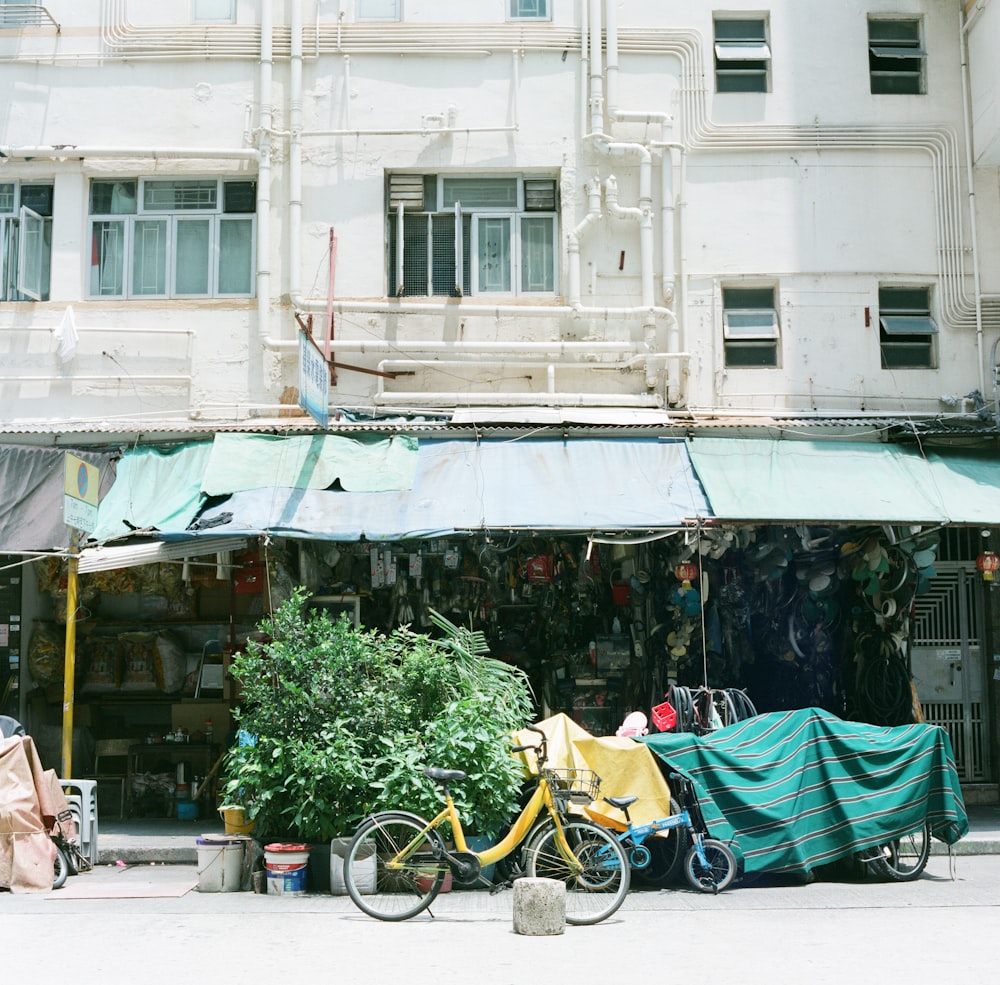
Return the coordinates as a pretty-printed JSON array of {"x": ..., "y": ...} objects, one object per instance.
[
  {"x": 895, "y": 57},
  {"x": 750, "y": 326},
  {"x": 906, "y": 329},
  {"x": 379, "y": 10},
  {"x": 460, "y": 235},
  {"x": 172, "y": 237},
  {"x": 213, "y": 11},
  {"x": 25, "y": 241},
  {"x": 14, "y": 14},
  {"x": 742, "y": 55},
  {"x": 528, "y": 9}
]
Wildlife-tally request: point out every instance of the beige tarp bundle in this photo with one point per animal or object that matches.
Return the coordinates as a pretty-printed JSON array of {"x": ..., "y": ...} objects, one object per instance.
[
  {"x": 625, "y": 767},
  {"x": 30, "y": 801}
]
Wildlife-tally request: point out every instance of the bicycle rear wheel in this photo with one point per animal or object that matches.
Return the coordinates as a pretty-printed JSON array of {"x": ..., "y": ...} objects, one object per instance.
[
  {"x": 594, "y": 893},
  {"x": 903, "y": 859},
  {"x": 394, "y": 867}
]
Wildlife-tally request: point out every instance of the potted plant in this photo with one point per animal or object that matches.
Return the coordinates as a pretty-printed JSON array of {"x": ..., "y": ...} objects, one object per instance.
[{"x": 343, "y": 720}]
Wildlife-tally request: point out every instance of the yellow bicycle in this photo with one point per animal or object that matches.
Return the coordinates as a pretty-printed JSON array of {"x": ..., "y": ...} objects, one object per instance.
[{"x": 397, "y": 862}]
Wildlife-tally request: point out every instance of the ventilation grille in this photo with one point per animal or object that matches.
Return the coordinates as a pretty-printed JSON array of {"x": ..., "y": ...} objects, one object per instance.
[
  {"x": 539, "y": 195},
  {"x": 408, "y": 189}
]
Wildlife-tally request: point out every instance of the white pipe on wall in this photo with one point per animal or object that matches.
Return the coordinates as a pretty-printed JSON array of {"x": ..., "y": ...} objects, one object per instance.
[
  {"x": 963, "y": 41},
  {"x": 520, "y": 399}
]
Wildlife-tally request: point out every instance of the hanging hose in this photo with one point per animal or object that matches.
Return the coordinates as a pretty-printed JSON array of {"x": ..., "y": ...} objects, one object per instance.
[{"x": 884, "y": 696}]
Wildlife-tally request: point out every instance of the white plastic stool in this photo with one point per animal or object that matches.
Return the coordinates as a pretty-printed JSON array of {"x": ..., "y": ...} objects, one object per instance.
[{"x": 82, "y": 800}]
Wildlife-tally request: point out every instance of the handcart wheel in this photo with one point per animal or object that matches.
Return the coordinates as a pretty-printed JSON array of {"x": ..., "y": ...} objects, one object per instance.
[
  {"x": 60, "y": 869},
  {"x": 900, "y": 860}
]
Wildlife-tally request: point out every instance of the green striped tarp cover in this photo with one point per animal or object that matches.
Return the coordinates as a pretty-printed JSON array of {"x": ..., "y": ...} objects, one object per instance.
[{"x": 799, "y": 789}]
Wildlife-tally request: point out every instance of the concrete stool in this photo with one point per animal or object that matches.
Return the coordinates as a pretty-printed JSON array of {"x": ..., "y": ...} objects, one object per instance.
[{"x": 539, "y": 907}]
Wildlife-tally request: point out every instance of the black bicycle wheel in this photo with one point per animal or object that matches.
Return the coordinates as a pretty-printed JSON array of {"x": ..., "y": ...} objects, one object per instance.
[
  {"x": 720, "y": 871},
  {"x": 60, "y": 868},
  {"x": 900, "y": 860},
  {"x": 594, "y": 893},
  {"x": 667, "y": 858},
  {"x": 667, "y": 851},
  {"x": 393, "y": 867}
]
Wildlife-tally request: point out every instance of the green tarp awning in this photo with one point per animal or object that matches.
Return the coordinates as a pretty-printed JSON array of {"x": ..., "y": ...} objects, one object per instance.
[
  {"x": 163, "y": 489},
  {"x": 767, "y": 480}
]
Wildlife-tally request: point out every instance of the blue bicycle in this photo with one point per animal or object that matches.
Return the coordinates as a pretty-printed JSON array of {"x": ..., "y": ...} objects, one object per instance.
[{"x": 709, "y": 866}]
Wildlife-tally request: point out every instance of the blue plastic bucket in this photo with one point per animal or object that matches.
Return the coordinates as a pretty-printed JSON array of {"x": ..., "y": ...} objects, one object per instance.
[{"x": 287, "y": 864}]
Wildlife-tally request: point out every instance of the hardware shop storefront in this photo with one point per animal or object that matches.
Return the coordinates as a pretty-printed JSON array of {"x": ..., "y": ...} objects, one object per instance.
[{"x": 607, "y": 568}]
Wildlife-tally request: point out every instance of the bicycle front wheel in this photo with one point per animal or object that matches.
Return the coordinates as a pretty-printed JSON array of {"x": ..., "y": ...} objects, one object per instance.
[
  {"x": 598, "y": 885},
  {"x": 720, "y": 871},
  {"x": 394, "y": 867}
]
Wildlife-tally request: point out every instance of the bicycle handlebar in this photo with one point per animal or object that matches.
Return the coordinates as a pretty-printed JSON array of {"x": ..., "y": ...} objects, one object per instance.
[{"x": 541, "y": 750}]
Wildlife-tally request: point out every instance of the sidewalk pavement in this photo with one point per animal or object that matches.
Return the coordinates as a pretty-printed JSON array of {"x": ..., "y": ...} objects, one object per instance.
[{"x": 174, "y": 842}]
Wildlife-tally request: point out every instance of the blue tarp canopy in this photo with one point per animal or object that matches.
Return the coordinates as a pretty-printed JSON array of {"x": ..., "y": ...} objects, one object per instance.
[
  {"x": 799, "y": 789},
  {"x": 337, "y": 488},
  {"x": 463, "y": 485}
]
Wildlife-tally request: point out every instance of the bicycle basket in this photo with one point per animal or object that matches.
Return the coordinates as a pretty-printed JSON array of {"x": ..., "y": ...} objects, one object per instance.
[{"x": 577, "y": 786}]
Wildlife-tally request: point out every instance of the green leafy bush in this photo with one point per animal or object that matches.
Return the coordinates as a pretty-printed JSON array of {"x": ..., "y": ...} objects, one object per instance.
[{"x": 343, "y": 721}]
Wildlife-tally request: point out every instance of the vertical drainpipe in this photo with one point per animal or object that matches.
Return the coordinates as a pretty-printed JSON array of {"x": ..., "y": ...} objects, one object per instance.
[
  {"x": 295, "y": 154},
  {"x": 604, "y": 10},
  {"x": 264, "y": 185},
  {"x": 963, "y": 39},
  {"x": 593, "y": 190},
  {"x": 596, "y": 69}
]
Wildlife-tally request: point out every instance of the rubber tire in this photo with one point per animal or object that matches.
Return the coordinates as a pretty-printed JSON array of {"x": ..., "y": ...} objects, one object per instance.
[
  {"x": 60, "y": 869},
  {"x": 597, "y": 892},
  {"x": 722, "y": 864},
  {"x": 515, "y": 865},
  {"x": 667, "y": 854},
  {"x": 386, "y": 834},
  {"x": 903, "y": 859},
  {"x": 667, "y": 858}
]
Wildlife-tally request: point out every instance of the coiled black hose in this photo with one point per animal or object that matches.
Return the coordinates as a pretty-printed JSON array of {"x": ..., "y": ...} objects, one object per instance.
[{"x": 883, "y": 695}]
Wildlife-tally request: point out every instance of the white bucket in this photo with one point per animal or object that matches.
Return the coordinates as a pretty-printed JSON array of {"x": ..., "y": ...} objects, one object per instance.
[
  {"x": 220, "y": 866},
  {"x": 287, "y": 865},
  {"x": 364, "y": 868}
]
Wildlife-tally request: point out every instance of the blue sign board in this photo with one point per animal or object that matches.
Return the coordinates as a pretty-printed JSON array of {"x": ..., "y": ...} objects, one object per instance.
[{"x": 314, "y": 381}]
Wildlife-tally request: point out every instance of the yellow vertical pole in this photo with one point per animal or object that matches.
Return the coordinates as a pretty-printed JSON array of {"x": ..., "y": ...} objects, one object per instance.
[{"x": 69, "y": 672}]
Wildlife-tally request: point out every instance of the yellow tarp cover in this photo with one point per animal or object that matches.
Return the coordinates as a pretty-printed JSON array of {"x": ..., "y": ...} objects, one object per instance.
[{"x": 626, "y": 768}]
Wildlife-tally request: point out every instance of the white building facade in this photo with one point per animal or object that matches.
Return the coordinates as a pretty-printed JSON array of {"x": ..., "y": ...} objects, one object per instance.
[{"x": 662, "y": 205}]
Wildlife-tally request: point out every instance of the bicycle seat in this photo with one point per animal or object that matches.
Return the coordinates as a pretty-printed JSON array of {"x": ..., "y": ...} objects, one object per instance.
[
  {"x": 621, "y": 802},
  {"x": 439, "y": 775}
]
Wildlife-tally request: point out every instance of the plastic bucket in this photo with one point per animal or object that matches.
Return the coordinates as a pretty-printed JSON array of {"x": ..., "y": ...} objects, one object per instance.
[
  {"x": 236, "y": 821},
  {"x": 364, "y": 868},
  {"x": 187, "y": 810},
  {"x": 287, "y": 864},
  {"x": 220, "y": 865}
]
